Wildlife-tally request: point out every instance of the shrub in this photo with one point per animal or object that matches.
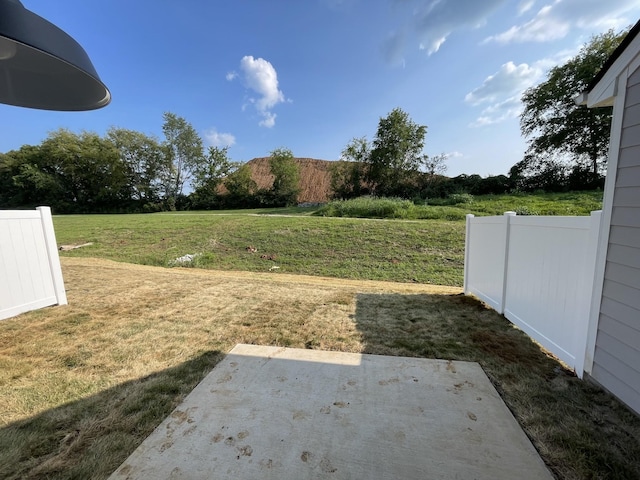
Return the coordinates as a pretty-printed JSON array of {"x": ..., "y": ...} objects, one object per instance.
[
  {"x": 368, "y": 207},
  {"x": 382, "y": 207}
]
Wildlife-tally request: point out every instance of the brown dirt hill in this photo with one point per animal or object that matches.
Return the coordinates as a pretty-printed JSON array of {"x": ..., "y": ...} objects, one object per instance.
[{"x": 315, "y": 178}]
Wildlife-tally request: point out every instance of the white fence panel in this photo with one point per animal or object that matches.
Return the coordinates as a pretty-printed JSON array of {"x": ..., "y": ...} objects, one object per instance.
[
  {"x": 484, "y": 266},
  {"x": 546, "y": 293},
  {"x": 548, "y": 271},
  {"x": 30, "y": 273}
]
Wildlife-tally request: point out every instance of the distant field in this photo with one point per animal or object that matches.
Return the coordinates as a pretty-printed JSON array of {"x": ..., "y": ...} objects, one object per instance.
[
  {"x": 424, "y": 251},
  {"x": 293, "y": 241}
]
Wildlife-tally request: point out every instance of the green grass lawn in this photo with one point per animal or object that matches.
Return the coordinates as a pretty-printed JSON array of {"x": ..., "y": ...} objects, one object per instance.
[
  {"x": 293, "y": 240},
  {"x": 424, "y": 251}
]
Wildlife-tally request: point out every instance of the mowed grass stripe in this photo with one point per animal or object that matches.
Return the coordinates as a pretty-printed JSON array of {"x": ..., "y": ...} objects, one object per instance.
[{"x": 425, "y": 251}]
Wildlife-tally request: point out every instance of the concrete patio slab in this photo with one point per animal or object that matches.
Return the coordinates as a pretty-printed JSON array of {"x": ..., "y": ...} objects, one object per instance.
[{"x": 282, "y": 413}]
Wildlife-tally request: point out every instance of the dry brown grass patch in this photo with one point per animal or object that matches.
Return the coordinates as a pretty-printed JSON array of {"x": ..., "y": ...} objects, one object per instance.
[{"x": 82, "y": 385}]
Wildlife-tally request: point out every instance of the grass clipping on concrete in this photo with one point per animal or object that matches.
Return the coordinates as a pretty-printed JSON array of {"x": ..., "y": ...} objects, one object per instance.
[{"x": 82, "y": 385}]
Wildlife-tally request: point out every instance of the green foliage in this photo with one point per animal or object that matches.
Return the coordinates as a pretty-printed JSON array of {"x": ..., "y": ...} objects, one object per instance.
[
  {"x": 185, "y": 150},
  {"x": 396, "y": 155},
  {"x": 241, "y": 187},
  {"x": 286, "y": 182},
  {"x": 560, "y": 132},
  {"x": 385, "y": 207},
  {"x": 454, "y": 199},
  {"x": 457, "y": 206},
  {"x": 123, "y": 171},
  {"x": 146, "y": 163},
  {"x": 348, "y": 174},
  {"x": 209, "y": 176},
  {"x": 390, "y": 166}
]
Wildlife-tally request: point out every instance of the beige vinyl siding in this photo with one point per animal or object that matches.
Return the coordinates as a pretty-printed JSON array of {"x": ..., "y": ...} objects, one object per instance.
[{"x": 617, "y": 354}]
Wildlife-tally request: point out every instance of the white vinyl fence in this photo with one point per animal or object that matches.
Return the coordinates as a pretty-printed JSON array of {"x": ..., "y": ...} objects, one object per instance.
[
  {"x": 539, "y": 272},
  {"x": 30, "y": 273}
]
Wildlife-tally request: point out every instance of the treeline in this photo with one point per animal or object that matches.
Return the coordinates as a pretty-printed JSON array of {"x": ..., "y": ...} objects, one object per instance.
[
  {"x": 128, "y": 171},
  {"x": 394, "y": 165},
  {"x": 567, "y": 143}
]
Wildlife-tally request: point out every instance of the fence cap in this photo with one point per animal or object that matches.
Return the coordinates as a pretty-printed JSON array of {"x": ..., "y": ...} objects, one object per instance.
[{"x": 510, "y": 214}]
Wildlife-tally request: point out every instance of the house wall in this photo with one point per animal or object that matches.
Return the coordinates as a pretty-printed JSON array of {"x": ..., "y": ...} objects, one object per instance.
[{"x": 616, "y": 359}]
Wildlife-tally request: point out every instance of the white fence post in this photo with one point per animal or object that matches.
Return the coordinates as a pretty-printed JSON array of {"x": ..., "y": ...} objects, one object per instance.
[
  {"x": 594, "y": 286},
  {"x": 52, "y": 253},
  {"x": 507, "y": 230},
  {"x": 467, "y": 244}
]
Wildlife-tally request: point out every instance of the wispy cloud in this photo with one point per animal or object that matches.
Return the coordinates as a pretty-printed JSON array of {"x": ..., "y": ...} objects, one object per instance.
[
  {"x": 509, "y": 80},
  {"x": 219, "y": 139},
  {"x": 525, "y": 6},
  {"x": 500, "y": 93},
  {"x": 428, "y": 24},
  {"x": 558, "y": 17},
  {"x": 436, "y": 20},
  {"x": 499, "y": 112},
  {"x": 261, "y": 77}
]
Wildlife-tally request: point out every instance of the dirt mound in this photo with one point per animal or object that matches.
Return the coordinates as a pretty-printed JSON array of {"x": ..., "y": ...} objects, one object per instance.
[{"x": 315, "y": 178}]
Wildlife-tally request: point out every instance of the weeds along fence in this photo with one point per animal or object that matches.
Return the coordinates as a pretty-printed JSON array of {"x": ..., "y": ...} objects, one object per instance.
[
  {"x": 538, "y": 272},
  {"x": 30, "y": 273}
]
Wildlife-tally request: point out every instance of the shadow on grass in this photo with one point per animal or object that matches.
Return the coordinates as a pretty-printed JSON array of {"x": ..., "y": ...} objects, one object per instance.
[
  {"x": 91, "y": 437},
  {"x": 580, "y": 430}
]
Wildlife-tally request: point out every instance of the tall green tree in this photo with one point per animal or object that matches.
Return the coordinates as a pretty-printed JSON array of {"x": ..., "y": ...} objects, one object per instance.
[
  {"x": 241, "y": 187},
  {"x": 348, "y": 174},
  {"x": 28, "y": 179},
  {"x": 210, "y": 173},
  {"x": 146, "y": 163},
  {"x": 209, "y": 176},
  {"x": 396, "y": 154},
  {"x": 286, "y": 172},
  {"x": 89, "y": 169},
  {"x": 559, "y": 132},
  {"x": 186, "y": 153}
]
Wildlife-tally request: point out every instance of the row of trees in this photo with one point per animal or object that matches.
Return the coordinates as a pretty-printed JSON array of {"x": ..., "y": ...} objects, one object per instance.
[
  {"x": 129, "y": 171},
  {"x": 567, "y": 143}
]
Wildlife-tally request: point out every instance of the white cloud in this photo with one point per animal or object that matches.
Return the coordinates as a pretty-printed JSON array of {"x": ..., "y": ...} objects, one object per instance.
[
  {"x": 430, "y": 23},
  {"x": 511, "y": 79},
  {"x": 260, "y": 77},
  {"x": 544, "y": 27},
  {"x": 500, "y": 93},
  {"x": 556, "y": 19},
  {"x": 438, "y": 19},
  {"x": 219, "y": 139},
  {"x": 231, "y": 76},
  {"x": 499, "y": 112},
  {"x": 525, "y": 6},
  {"x": 269, "y": 120}
]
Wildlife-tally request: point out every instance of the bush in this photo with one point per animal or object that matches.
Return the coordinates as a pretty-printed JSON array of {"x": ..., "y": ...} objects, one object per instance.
[
  {"x": 453, "y": 199},
  {"x": 382, "y": 207},
  {"x": 368, "y": 207}
]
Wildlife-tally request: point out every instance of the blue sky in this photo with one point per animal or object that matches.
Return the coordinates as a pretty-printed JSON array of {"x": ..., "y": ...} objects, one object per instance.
[{"x": 310, "y": 75}]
